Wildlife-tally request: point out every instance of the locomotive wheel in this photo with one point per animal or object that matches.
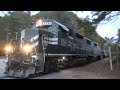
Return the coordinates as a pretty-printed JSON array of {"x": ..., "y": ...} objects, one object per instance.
[
  {"x": 50, "y": 66},
  {"x": 92, "y": 59},
  {"x": 56, "y": 66},
  {"x": 64, "y": 65},
  {"x": 71, "y": 63},
  {"x": 88, "y": 60},
  {"x": 46, "y": 68}
]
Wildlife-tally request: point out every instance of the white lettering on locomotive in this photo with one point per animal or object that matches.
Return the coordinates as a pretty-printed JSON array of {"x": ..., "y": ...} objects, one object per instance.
[{"x": 47, "y": 23}]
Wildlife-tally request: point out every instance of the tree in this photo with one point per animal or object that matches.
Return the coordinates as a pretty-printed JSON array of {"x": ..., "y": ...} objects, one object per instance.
[
  {"x": 107, "y": 16},
  {"x": 82, "y": 31},
  {"x": 13, "y": 22},
  {"x": 118, "y": 35},
  {"x": 71, "y": 20},
  {"x": 17, "y": 21},
  {"x": 104, "y": 16},
  {"x": 67, "y": 18}
]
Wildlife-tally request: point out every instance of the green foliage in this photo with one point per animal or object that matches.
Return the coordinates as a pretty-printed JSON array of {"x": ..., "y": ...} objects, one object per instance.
[
  {"x": 13, "y": 22},
  {"x": 101, "y": 15},
  {"x": 118, "y": 35},
  {"x": 64, "y": 17},
  {"x": 71, "y": 20}
]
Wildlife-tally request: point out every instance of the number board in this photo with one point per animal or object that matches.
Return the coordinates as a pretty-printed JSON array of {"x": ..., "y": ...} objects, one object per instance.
[
  {"x": 40, "y": 24},
  {"x": 47, "y": 23}
]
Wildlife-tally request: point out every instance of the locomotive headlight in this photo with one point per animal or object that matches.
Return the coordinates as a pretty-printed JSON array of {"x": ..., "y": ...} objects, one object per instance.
[
  {"x": 27, "y": 48},
  {"x": 39, "y": 23},
  {"x": 8, "y": 48},
  {"x": 63, "y": 57}
]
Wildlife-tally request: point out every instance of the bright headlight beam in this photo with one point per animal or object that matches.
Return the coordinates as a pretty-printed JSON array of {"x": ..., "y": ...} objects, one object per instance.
[
  {"x": 8, "y": 48},
  {"x": 39, "y": 23},
  {"x": 27, "y": 48},
  {"x": 63, "y": 57}
]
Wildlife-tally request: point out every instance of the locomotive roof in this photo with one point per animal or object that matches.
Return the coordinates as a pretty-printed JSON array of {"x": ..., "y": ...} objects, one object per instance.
[
  {"x": 91, "y": 40},
  {"x": 50, "y": 20},
  {"x": 63, "y": 26},
  {"x": 87, "y": 38}
]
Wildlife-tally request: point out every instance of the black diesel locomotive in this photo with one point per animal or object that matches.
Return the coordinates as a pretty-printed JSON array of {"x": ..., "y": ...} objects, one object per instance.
[{"x": 49, "y": 45}]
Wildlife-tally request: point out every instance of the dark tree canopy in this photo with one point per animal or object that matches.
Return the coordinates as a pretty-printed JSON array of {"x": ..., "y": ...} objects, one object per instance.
[{"x": 106, "y": 16}]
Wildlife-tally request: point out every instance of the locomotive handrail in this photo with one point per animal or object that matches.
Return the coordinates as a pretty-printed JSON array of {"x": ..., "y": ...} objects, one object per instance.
[{"x": 43, "y": 45}]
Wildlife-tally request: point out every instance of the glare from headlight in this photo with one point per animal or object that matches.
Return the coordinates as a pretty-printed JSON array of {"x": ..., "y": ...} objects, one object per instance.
[
  {"x": 39, "y": 23},
  {"x": 63, "y": 57},
  {"x": 27, "y": 48},
  {"x": 8, "y": 48}
]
